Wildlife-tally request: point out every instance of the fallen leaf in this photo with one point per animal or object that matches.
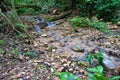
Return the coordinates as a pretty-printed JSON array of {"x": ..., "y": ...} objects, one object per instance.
[{"x": 60, "y": 69}]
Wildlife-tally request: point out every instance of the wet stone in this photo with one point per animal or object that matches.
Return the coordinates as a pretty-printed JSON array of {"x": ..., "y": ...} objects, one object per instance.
[
  {"x": 77, "y": 48},
  {"x": 109, "y": 64},
  {"x": 44, "y": 35}
]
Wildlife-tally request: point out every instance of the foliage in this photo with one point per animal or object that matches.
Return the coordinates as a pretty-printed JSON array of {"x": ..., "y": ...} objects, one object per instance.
[
  {"x": 80, "y": 21},
  {"x": 86, "y": 22},
  {"x": 25, "y": 10},
  {"x": 24, "y": 1},
  {"x": 45, "y": 5},
  {"x": 100, "y": 26},
  {"x": 2, "y": 42},
  {"x": 106, "y": 9},
  {"x": 97, "y": 56},
  {"x": 31, "y": 54},
  {"x": 63, "y": 4},
  {"x": 68, "y": 76},
  {"x": 115, "y": 78},
  {"x": 97, "y": 74}
]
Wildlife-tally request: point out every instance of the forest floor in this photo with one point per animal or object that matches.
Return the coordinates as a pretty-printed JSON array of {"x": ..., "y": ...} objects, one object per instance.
[{"x": 56, "y": 49}]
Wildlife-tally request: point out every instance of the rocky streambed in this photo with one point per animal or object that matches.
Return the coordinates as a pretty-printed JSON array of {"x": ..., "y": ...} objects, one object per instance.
[{"x": 57, "y": 48}]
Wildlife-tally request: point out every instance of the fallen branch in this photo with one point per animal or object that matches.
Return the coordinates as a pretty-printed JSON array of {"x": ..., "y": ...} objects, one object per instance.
[{"x": 57, "y": 17}]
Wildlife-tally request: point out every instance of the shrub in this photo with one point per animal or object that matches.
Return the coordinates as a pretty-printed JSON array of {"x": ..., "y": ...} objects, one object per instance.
[
  {"x": 80, "y": 22},
  {"x": 97, "y": 56},
  {"x": 67, "y": 76},
  {"x": 98, "y": 74},
  {"x": 106, "y": 9},
  {"x": 86, "y": 22}
]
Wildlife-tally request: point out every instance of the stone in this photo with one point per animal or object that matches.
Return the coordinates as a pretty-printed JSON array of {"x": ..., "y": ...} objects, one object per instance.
[
  {"x": 109, "y": 64},
  {"x": 60, "y": 69},
  {"x": 77, "y": 48},
  {"x": 44, "y": 35}
]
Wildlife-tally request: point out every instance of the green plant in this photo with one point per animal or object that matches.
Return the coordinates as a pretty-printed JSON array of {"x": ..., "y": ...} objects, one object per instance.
[
  {"x": 68, "y": 76},
  {"x": 63, "y": 4},
  {"x": 80, "y": 21},
  {"x": 2, "y": 42},
  {"x": 25, "y": 10},
  {"x": 105, "y": 9},
  {"x": 86, "y": 22},
  {"x": 31, "y": 54},
  {"x": 97, "y": 56},
  {"x": 45, "y": 5},
  {"x": 115, "y": 78},
  {"x": 97, "y": 74},
  {"x": 100, "y": 26}
]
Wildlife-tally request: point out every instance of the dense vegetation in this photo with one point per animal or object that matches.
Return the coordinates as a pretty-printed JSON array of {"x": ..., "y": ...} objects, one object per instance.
[{"x": 105, "y": 10}]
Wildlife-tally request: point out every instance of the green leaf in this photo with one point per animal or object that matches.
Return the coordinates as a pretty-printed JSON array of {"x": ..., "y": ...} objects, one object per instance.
[
  {"x": 115, "y": 78},
  {"x": 89, "y": 58},
  {"x": 98, "y": 69},
  {"x": 2, "y": 42},
  {"x": 68, "y": 76},
  {"x": 64, "y": 75}
]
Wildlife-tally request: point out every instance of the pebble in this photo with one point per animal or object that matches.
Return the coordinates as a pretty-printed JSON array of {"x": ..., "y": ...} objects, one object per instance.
[
  {"x": 77, "y": 48},
  {"x": 44, "y": 35}
]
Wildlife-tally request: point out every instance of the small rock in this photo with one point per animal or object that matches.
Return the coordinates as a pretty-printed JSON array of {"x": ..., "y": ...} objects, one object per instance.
[
  {"x": 53, "y": 50},
  {"x": 44, "y": 35},
  {"x": 77, "y": 48},
  {"x": 107, "y": 44},
  {"x": 36, "y": 61},
  {"x": 109, "y": 64},
  {"x": 71, "y": 69},
  {"x": 90, "y": 49}
]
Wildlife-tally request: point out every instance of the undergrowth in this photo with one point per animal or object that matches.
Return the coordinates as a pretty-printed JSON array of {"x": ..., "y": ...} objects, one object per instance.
[{"x": 86, "y": 22}]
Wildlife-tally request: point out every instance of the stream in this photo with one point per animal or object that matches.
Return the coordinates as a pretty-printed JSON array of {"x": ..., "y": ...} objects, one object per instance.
[{"x": 62, "y": 39}]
